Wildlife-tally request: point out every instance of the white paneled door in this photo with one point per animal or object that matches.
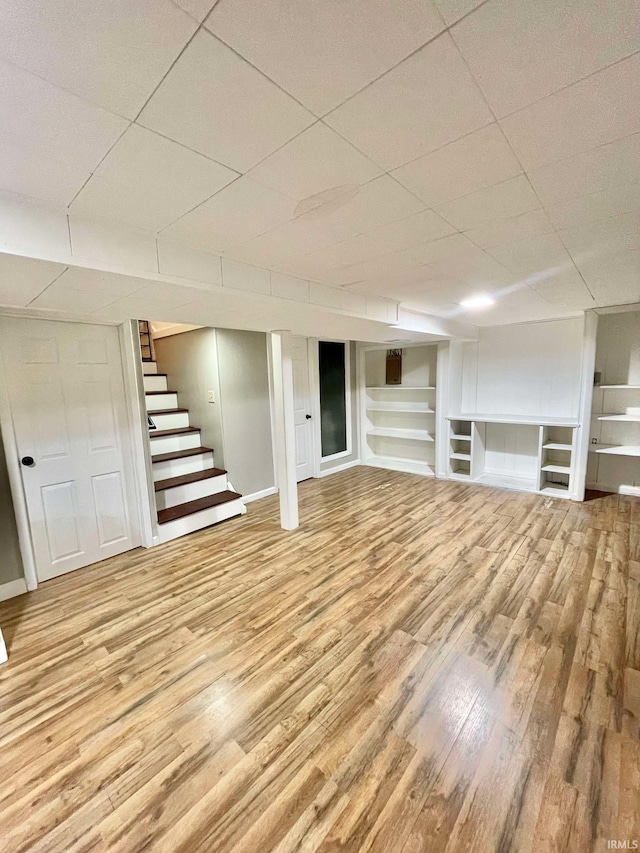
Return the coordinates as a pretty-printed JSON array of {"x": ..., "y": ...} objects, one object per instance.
[
  {"x": 67, "y": 398},
  {"x": 302, "y": 408}
]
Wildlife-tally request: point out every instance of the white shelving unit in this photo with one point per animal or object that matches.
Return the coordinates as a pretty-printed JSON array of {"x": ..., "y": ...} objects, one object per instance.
[
  {"x": 399, "y": 421},
  {"x": 542, "y": 452},
  {"x": 614, "y": 455}
]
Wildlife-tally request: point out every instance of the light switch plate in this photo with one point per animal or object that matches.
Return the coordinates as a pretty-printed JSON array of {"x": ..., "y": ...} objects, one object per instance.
[{"x": 211, "y": 397}]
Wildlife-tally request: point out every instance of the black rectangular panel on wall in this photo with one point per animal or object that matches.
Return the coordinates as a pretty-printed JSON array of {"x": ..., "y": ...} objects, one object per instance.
[{"x": 333, "y": 397}]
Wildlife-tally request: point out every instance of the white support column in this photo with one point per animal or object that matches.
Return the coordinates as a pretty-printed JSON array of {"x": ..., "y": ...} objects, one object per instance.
[
  {"x": 3, "y": 650},
  {"x": 284, "y": 437}
]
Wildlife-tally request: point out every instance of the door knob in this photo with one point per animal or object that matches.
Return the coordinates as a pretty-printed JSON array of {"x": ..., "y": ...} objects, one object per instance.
[
  {"x": 28, "y": 461},
  {"x": 308, "y": 417}
]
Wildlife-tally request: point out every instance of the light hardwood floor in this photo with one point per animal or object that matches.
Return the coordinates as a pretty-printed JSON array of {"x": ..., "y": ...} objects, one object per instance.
[{"x": 422, "y": 666}]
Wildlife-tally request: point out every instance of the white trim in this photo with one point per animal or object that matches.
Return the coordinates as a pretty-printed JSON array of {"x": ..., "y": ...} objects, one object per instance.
[
  {"x": 3, "y": 650},
  {"x": 16, "y": 484},
  {"x": 441, "y": 423},
  {"x": 140, "y": 449},
  {"x": 13, "y": 588},
  {"x": 634, "y": 491},
  {"x": 338, "y": 468},
  {"x": 314, "y": 405},
  {"x": 256, "y": 496}
]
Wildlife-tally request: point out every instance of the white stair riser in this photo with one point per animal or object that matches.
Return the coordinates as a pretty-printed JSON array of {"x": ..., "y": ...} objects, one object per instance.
[
  {"x": 162, "y": 401},
  {"x": 155, "y": 383},
  {"x": 149, "y": 368},
  {"x": 175, "y": 442},
  {"x": 190, "y": 523},
  {"x": 177, "y": 467},
  {"x": 191, "y": 492},
  {"x": 180, "y": 419}
]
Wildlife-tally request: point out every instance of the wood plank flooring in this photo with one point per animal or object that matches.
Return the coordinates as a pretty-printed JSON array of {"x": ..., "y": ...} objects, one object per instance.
[{"x": 423, "y": 666}]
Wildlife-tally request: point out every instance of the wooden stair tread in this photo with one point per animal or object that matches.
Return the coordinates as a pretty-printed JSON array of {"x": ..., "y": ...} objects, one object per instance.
[
  {"x": 181, "y": 454},
  {"x": 166, "y": 412},
  {"x": 185, "y": 479},
  {"x": 189, "y": 508},
  {"x": 162, "y": 433}
]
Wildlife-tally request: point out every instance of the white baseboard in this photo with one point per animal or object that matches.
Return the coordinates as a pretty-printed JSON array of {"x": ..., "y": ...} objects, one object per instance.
[
  {"x": 340, "y": 468},
  {"x": 12, "y": 589},
  {"x": 634, "y": 491},
  {"x": 255, "y": 496},
  {"x": 3, "y": 650}
]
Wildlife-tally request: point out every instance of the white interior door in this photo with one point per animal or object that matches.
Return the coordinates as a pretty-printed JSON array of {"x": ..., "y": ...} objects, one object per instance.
[
  {"x": 302, "y": 408},
  {"x": 68, "y": 405}
]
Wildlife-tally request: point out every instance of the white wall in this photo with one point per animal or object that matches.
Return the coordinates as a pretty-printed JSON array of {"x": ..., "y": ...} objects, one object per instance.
[
  {"x": 246, "y": 413},
  {"x": 232, "y": 364},
  {"x": 523, "y": 369}
]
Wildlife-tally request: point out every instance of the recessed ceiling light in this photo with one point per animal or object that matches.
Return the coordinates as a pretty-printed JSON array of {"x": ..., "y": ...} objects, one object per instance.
[{"x": 482, "y": 300}]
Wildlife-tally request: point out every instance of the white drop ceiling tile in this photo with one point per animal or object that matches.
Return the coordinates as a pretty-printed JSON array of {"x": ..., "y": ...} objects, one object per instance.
[
  {"x": 94, "y": 242},
  {"x": 86, "y": 302},
  {"x": 214, "y": 102},
  {"x": 530, "y": 224},
  {"x": 617, "y": 234},
  {"x": 316, "y": 161},
  {"x": 492, "y": 204},
  {"x": 533, "y": 255},
  {"x": 167, "y": 295},
  {"x": 241, "y": 276},
  {"x": 113, "y": 54},
  {"x": 50, "y": 140},
  {"x": 285, "y": 242},
  {"x": 478, "y": 160},
  {"x": 412, "y": 231},
  {"x": 185, "y": 262},
  {"x": 396, "y": 266},
  {"x": 355, "y": 250},
  {"x": 149, "y": 181},
  {"x": 521, "y": 51},
  {"x": 237, "y": 213},
  {"x": 287, "y": 287},
  {"x": 599, "y": 205},
  {"x": 198, "y": 9},
  {"x": 577, "y": 297},
  {"x": 386, "y": 277},
  {"x": 608, "y": 165},
  {"x": 322, "y": 53},
  {"x": 613, "y": 278},
  {"x": 453, "y": 10},
  {"x": 474, "y": 269},
  {"x": 456, "y": 245},
  {"x": 593, "y": 112},
  {"x": 369, "y": 206},
  {"x": 430, "y": 99},
  {"x": 26, "y": 227},
  {"x": 565, "y": 277},
  {"x": 23, "y": 279}
]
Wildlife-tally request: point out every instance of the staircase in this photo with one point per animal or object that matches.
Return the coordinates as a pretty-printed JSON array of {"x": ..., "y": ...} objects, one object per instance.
[{"x": 191, "y": 493}]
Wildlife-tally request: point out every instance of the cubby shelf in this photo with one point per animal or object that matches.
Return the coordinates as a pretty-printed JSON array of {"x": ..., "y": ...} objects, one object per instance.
[
  {"x": 619, "y": 387},
  {"x": 554, "y": 445},
  {"x": 400, "y": 407},
  {"x": 616, "y": 449},
  {"x": 620, "y": 417},
  {"x": 401, "y": 387},
  {"x": 557, "y": 469},
  {"x": 396, "y": 432}
]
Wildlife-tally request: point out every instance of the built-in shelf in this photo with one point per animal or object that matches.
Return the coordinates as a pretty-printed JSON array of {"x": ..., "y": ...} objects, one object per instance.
[
  {"x": 396, "y": 432},
  {"x": 620, "y": 417},
  {"x": 401, "y": 387},
  {"x": 619, "y": 387},
  {"x": 557, "y": 469},
  {"x": 460, "y": 437},
  {"x": 466, "y": 456},
  {"x": 616, "y": 449},
  {"x": 556, "y": 445},
  {"x": 399, "y": 463},
  {"x": 400, "y": 407},
  {"x": 533, "y": 420},
  {"x": 556, "y": 489}
]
